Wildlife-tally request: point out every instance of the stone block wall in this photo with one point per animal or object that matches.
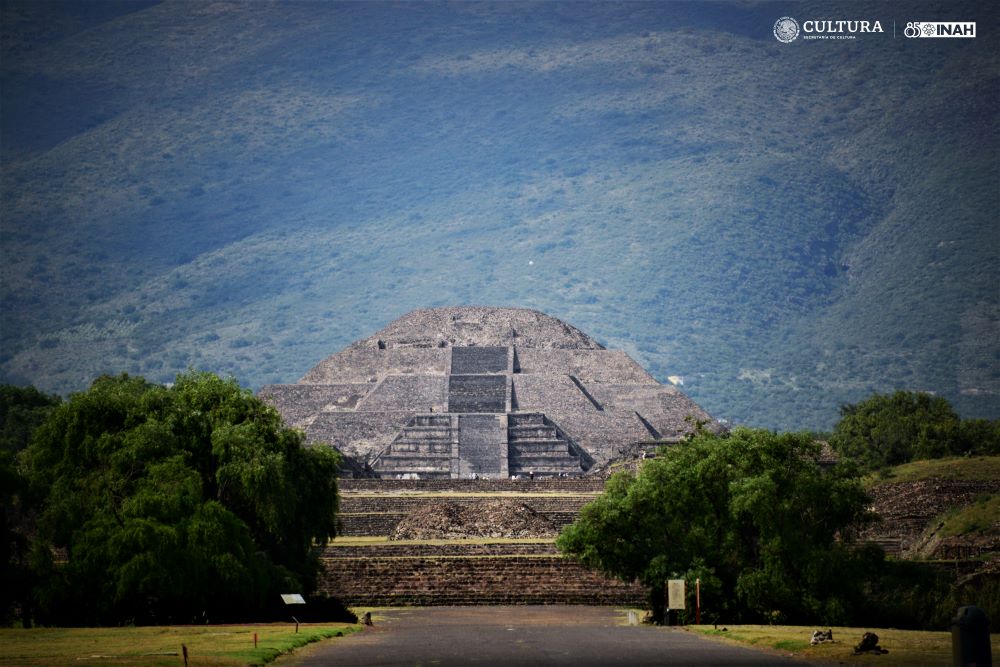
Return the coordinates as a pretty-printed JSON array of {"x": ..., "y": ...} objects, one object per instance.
[
  {"x": 413, "y": 393},
  {"x": 477, "y": 393},
  {"x": 460, "y": 571},
  {"x": 482, "y": 445},
  {"x": 471, "y": 580},
  {"x": 611, "y": 366},
  {"x": 548, "y": 485}
]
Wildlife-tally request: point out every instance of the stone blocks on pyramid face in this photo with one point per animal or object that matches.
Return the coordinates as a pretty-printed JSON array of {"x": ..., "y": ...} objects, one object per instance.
[
  {"x": 299, "y": 403},
  {"x": 477, "y": 393},
  {"x": 359, "y": 435},
  {"x": 600, "y": 434},
  {"x": 480, "y": 326},
  {"x": 478, "y": 360},
  {"x": 372, "y": 364},
  {"x": 611, "y": 366},
  {"x": 416, "y": 393},
  {"x": 543, "y": 393},
  {"x": 664, "y": 407},
  {"x": 482, "y": 445}
]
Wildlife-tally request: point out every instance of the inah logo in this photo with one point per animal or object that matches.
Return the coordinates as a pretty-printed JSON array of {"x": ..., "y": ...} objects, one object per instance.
[
  {"x": 786, "y": 29},
  {"x": 927, "y": 29}
]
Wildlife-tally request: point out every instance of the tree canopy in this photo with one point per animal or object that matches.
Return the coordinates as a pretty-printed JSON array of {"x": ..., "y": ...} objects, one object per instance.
[
  {"x": 750, "y": 513},
  {"x": 22, "y": 409},
  {"x": 890, "y": 429},
  {"x": 173, "y": 503}
]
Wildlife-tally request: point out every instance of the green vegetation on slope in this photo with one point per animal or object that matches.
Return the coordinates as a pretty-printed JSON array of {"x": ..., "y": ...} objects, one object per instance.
[
  {"x": 963, "y": 468},
  {"x": 788, "y": 227},
  {"x": 981, "y": 516},
  {"x": 888, "y": 430}
]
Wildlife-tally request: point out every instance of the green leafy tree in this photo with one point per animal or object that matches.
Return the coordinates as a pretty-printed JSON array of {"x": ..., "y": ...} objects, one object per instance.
[
  {"x": 750, "y": 513},
  {"x": 174, "y": 504},
  {"x": 22, "y": 409},
  {"x": 890, "y": 429}
]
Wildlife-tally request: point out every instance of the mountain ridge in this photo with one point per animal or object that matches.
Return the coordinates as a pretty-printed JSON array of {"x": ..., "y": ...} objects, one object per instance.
[{"x": 245, "y": 189}]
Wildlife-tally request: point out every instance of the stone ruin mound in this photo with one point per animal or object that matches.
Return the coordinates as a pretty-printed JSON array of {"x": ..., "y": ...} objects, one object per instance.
[{"x": 492, "y": 518}]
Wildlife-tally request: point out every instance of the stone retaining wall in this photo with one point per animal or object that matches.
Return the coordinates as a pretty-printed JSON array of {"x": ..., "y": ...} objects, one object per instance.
[
  {"x": 546, "y": 485},
  {"x": 463, "y": 580},
  {"x": 387, "y": 549},
  {"x": 383, "y": 523},
  {"x": 354, "y": 504}
]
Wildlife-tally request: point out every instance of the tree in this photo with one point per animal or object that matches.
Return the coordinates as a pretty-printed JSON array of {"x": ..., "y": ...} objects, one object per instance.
[
  {"x": 750, "y": 513},
  {"x": 887, "y": 430},
  {"x": 22, "y": 409},
  {"x": 174, "y": 504}
]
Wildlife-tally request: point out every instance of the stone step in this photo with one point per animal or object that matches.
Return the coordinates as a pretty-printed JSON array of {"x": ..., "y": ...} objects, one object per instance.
[
  {"x": 477, "y": 393},
  {"x": 516, "y": 419},
  {"x": 531, "y": 432},
  {"x": 426, "y": 432},
  {"x": 521, "y": 448},
  {"x": 556, "y": 486},
  {"x": 440, "y": 447},
  {"x": 478, "y": 360},
  {"x": 438, "y": 458},
  {"x": 437, "y": 421},
  {"x": 540, "y": 467}
]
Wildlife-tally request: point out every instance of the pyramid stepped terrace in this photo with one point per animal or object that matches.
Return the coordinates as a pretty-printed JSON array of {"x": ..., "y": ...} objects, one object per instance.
[{"x": 451, "y": 409}]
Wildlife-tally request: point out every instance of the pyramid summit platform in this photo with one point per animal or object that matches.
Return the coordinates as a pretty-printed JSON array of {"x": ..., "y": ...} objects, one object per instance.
[{"x": 478, "y": 392}]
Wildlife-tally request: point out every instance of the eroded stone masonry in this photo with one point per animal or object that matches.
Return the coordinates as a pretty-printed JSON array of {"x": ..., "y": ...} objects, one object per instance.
[{"x": 488, "y": 393}]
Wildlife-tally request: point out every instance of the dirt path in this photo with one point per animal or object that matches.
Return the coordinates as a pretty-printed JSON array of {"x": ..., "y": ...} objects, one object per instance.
[{"x": 521, "y": 636}]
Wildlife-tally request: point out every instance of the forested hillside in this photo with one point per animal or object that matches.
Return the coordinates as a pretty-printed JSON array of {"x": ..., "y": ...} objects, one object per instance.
[{"x": 245, "y": 188}]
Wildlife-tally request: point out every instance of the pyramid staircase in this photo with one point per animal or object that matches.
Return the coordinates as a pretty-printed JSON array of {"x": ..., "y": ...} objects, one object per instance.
[
  {"x": 423, "y": 448},
  {"x": 536, "y": 445}
]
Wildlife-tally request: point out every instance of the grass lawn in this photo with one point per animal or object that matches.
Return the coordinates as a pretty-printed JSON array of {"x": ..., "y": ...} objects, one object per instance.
[
  {"x": 155, "y": 646},
  {"x": 906, "y": 647},
  {"x": 960, "y": 467}
]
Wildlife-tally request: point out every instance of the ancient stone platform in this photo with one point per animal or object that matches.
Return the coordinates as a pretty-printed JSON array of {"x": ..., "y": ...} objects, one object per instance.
[
  {"x": 475, "y": 392},
  {"x": 365, "y": 567}
]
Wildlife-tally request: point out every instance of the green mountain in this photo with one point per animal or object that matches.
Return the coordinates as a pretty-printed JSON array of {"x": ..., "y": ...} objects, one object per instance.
[{"x": 247, "y": 187}]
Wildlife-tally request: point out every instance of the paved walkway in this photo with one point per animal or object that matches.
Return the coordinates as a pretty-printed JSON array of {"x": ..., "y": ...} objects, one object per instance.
[{"x": 521, "y": 636}]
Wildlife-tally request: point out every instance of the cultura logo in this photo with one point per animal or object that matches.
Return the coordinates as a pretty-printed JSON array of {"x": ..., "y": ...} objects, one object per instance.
[{"x": 786, "y": 29}]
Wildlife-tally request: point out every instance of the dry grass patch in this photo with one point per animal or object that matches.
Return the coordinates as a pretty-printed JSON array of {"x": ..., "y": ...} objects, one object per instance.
[
  {"x": 906, "y": 647},
  {"x": 160, "y": 646}
]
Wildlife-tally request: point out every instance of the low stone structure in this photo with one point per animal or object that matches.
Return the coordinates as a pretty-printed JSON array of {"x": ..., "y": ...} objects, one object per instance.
[
  {"x": 481, "y": 392},
  {"x": 465, "y": 541}
]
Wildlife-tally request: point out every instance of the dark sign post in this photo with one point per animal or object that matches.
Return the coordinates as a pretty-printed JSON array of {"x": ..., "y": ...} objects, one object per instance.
[
  {"x": 293, "y": 598},
  {"x": 697, "y": 601}
]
